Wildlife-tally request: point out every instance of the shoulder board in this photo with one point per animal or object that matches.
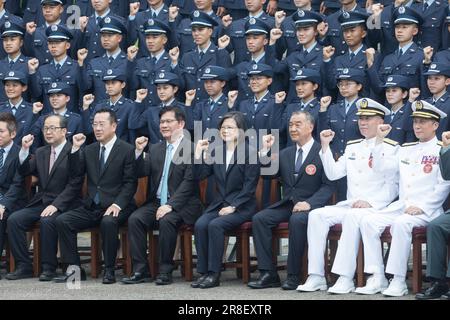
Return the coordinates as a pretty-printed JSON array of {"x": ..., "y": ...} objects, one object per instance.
[
  {"x": 354, "y": 141},
  {"x": 390, "y": 141},
  {"x": 439, "y": 143},
  {"x": 410, "y": 144}
]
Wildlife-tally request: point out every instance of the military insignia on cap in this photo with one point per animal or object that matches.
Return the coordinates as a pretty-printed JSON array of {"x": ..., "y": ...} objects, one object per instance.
[
  {"x": 419, "y": 105},
  {"x": 389, "y": 79},
  {"x": 255, "y": 66},
  {"x": 54, "y": 27},
  {"x": 54, "y": 85},
  {"x": 301, "y": 13},
  {"x": 7, "y": 24},
  {"x": 346, "y": 15},
  {"x": 207, "y": 70},
  {"x": 151, "y": 22},
  {"x": 107, "y": 20},
  {"x": 161, "y": 75},
  {"x": 11, "y": 74},
  {"x": 109, "y": 72},
  {"x": 364, "y": 103},
  {"x": 252, "y": 21},
  {"x": 401, "y": 10},
  {"x": 345, "y": 71},
  {"x": 196, "y": 13},
  {"x": 433, "y": 66},
  {"x": 299, "y": 72}
]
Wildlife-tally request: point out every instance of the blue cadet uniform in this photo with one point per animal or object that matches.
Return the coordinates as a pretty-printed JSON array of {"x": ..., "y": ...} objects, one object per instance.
[
  {"x": 193, "y": 62},
  {"x": 263, "y": 113},
  {"x": 252, "y": 26},
  {"x": 399, "y": 120},
  {"x": 137, "y": 27},
  {"x": 145, "y": 69},
  {"x": 12, "y": 19},
  {"x": 33, "y": 10},
  {"x": 63, "y": 71},
  {"x": 147, "y": 117},
  {"x": 235, "y": 8},
  {"x": 406, "y": 61},
  {"x": 20, "y": 63},
  {"x": 74, "y": 125},
  {"x": 123, "y": 108},
  {"x": 312, "y": 106},
  {"x": 350, "y": 59},
  {"x": 341, "y": 117},
  {"x": 209, "y": 112},
  {"x": 311, "y": 57},
  {"x": 237, "y": 32},
  {"x": 91, "y": 36},
  {"x": 94, "y": 70},
  {"x": 22, "y": 111}
]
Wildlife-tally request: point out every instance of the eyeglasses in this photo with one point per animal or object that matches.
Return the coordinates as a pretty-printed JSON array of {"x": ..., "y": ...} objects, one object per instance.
[
  {"x": 50, "y": 129},
  {"x": 168, "y": 121}
]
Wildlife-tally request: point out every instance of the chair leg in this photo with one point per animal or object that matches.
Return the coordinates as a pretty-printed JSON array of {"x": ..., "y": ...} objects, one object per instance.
[
  {"x": 417, "y": 266},
  {"x": 360, "y": 266},
  {"x": 36, "y": 236},
  {"x": 238, "y": 256},
  {"x": 245, "y": 245},
  {"x": 187, "y": 255},
  {"x": 95, "y": 254}
]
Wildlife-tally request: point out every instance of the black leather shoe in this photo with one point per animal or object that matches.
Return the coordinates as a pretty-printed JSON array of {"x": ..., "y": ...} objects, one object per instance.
[
  {"x": 437, "y": 289},
  {"x": 199, "y": 280},
  {"x": 109, "y": 277},
  {"x": 211, "y": 281},
  {"x": 136, "y": 278},
  {"x": 67, "y": 275},
  {"x": 291, "y": 283},
  {"x": 19, "y": 274},
  {"x": 47, "y": 275},
  {"x": 164, "y": 279},
  {"x": 446, "y": 296},
  {"x": 266, "y": 280}
]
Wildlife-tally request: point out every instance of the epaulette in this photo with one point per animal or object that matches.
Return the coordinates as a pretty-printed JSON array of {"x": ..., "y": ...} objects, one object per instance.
[
  {"x": 354, "y": 141},
  {"x": 390, "y": 141},
  {"x": 408, "y": 144}
]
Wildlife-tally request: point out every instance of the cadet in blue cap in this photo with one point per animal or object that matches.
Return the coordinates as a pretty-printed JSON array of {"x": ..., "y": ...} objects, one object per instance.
[
  {"x": 62, "y": 68},
  {"x": 12, "y": 34},
  {"x": 183, "y": 29},
  {"x": 406, "y": 60},
  {"x": 396, "y": 93},
  {"x": 237, "y": 29},
  {"x": 146, "y": 117},
  {"x": 14, "y": 84},
  {"x": 112, "y": 35},
  {"x": 341, "y": 117},
  {"x": 34, "y": 10},
  {"x": 59, "y": 97},
  {"x": 307, "y": 83},
  {"x": 193, "y": 63},
  {"x": 115, "y": 83},
  {"x": 156, "y": 35},
  {"x": 310, "y": 55},
  {"x": 354, "y": 31},
  {"x": 158, "y": 11}
]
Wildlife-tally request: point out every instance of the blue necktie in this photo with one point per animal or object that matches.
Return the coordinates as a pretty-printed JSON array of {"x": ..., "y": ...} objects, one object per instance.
[
  {"x": 352, "y": 55},
  {"x": 201, "y": 55},
  {"x": 153, "y": 62},
  {"x": 101, "y": 163},
  {"x": 153, "y": 14},
  {"x": 11, "y": 64},
  {"x": 99, "y": 19},
  {"x": 425, "y": 6},
  {"x": 298, "y": 163},
  {"x": 347, "y": 107},
  {"x": 255, "y": 105},
  {"x": 13, "y": 110},
  {"x": 400, "y": 52},
  {"x": 211, "y": 105},
  {"x": 164, "y": 187},
  {"x": 111, "y": 60}
]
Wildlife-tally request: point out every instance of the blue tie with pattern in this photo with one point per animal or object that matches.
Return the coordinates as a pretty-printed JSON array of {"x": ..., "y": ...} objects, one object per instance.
[{"x": 165, "y": 178}]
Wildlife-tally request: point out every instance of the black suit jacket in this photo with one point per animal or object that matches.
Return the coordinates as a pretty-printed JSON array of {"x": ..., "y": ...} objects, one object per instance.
[
  {"x": 117, "y": 183},
  {"x": 61, "y": 187},
  {"x": 182, "y": 185},
  {"x": 236, "y": 186},
  {"x": 11, "y": 182},
  {"x": 311, "y": 185}
]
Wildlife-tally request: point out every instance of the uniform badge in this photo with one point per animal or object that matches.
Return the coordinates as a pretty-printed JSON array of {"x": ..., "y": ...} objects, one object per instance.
[
  {"x": 419, "y": 105},
  {"x": 401, "y": 10},
  {"x": 345, "y": 71},
  {"x": 301, "y": 13},
  {"x": 252, "y": 21},
  {"x": 255, "y": 67},
  {"x": 54, "y": 85},
  {"x": 207, "y": 70},
  {"x": 346, "y": 15},
  {"x": 433, "y": 66},
  {"x": 427, "y": 168},
  {"x": 161, "y": 75},
  {"x": 196, "y": 13},
  {"x": 11, "y": 74},
  {"x": 54, "y": 27},
  {"x": 299, "y": 72},
  {"x": 7, "y": 24},
  {"x": 107, "y": 20},
  {"x": 151, "y": 22},
  {"x": 364, "y": 103},
  {"x": 109, "y": 72},
  {"x": 389, "y": 79},
  {"x": 310, "y": 170}
]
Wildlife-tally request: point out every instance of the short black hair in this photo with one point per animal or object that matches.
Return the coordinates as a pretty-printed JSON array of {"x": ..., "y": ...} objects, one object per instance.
[
  {"x": 63, "y": 121},
  {"x": 238, "y": 117},
  {"x": 179, "y": 113},
  {"x": 11, "y": 123},
  {"x": 112, "y": 114}
]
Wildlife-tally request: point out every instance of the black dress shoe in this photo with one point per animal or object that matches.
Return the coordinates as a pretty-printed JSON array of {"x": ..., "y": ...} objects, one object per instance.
[
  {"x": 164, "y": 279},
  {"x": 136, "y": 278},
  {"x": 446, "y": 296},
  {"x": 291, "y": 283},
  {"x": 211, "y": 281},
  {"x": 199, "y": 280},
  {"x": 47, "y": 275},
  {"x": 266, "y": 280},
  {"x": 437, "y": 289},
  {"x": 109, "y": 277},
  {"x": 65, "y": 277},
  {"x": 19, "y": 274}
]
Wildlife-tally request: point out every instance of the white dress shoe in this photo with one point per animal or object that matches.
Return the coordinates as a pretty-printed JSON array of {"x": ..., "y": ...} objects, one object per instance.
[
  {"x": 374, "y": 285},
  {"x": 343, "y": 285},
  {"x": 396, "y": 288},
  {"x": 313, "y": 283}
]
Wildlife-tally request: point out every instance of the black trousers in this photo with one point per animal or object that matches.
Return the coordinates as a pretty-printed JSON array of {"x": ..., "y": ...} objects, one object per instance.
[
  {"x": 72, "y": 222},
  {"x": 262, "y": 224},
  {"x": 140, "y": 222},
  {"x": 438, "y": 233},
  {"x": 3, "y": 235},
  {"x": 22, "y": 221}
]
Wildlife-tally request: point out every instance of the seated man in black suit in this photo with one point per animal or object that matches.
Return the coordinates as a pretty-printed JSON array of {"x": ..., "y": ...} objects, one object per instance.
[
  {"x": 171, "y": 198},
  {"x": 110, "y": 167},
  {"x": 305, "y": 187}
]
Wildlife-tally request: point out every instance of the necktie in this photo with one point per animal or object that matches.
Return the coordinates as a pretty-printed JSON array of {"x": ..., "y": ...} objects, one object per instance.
[
  {"x": 2, "y": 152},
  {"x": 211, "y": 105},
  {"x": 305, "y": 52},
  {"x": 153, "y": 14},
  {"x": 111, "y": 60},
  {"x": 164, "y": 187},
  {"x": 99, "y": 19},
  {"x": 253, "y": 61},
  {"x": 392, "y": 117},
  {"x": 200, "y": 56},
  {"x": 13, "y": 110},
  {"x": 400, "y": 52},
  {"x": 11, "y": 64},
  {"x": 302, "y": 106},
  {"x": 153, "y": 61},
  {"x": 52, "y": 159},
  {"x": 101, "y": 166},
  {"x": 347, "y": 107},
  {"x": 425, "y": 6},
  {"x": 256, "y": 104},
  {"x": 352, "y": 55},
  {"x": 298, "y": 162}
]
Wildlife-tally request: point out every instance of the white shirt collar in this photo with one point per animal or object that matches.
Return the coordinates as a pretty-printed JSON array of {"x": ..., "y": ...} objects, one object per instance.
[
  {"x": 103, "y": 16},
  {"x": 115, "y": 54},
  {"x": 109, "y": 145},
  {"x": 176, "y": 143},
  {"x": 59, "y": 148},
  {"x": 168, "y": 103},
  {"x": 7, "y": 149},
  {"x": 204, "y": 50},
  {"x": 159, "y": 55},
  {"x": 158, "y": 10},
  {"x": 258, "y": 58},
  {"x": 2, "y": 13},
  {"x": 406, "y": 47},
  {"x": 307, "y": 102},
  {"x": 306, "y": 148},
  {"x": 262, "y": 97},
  {"x": 54, "y": 24},
  {"x": 356, "y": 51},
  {"x": 60, "y": 62},
  {"x": 217, "y": 99},
  {"x": 311, "y": 47},
  {"x": 15, "y": 59},
  {"x": 256, "y": 16},
  {"x": 16, "y": 105}
]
